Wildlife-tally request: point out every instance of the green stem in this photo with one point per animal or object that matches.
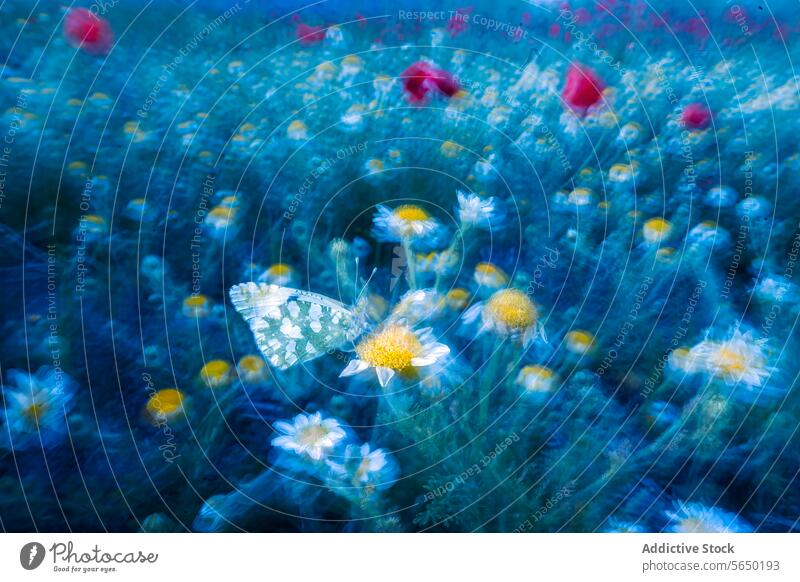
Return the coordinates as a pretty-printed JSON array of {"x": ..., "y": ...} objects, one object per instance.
[
  {"x": 486, "y": 384},
  {"x": 412, "y": 266}
]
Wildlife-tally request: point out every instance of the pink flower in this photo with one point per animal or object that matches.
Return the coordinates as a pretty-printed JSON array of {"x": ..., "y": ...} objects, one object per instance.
[
  {"x": 421, "y": 78},
  {"x": 583, "y": 87},
  {"x": 696, "y": 116},
  {"x": 88, "y": 31},
  {"x": 309, "y": 34}
]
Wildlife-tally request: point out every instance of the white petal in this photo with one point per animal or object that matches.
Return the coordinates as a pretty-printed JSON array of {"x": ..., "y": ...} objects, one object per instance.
[
  {"x": 384, "y": 375},
  {"x": 355, "y": 366},
  {"x": 283, "y": 427},
  {"x": 471, "y": 314},
  {"x": 423, "y": 361},
  {"x": 281, "y": 441},
  {"x": 540, "y": 330},
  {"x": 335, "y": 467},
  {"x": 529, "y": 336},
  {"x": 437, "y": 350}
]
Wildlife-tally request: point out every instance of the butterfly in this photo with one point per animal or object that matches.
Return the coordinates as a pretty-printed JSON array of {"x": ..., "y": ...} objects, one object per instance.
[{"x": 293, "y": 326}]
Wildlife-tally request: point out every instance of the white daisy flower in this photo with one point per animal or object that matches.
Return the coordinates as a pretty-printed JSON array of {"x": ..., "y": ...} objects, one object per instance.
[
  {"x": 490, "y": 276},
  {"x": 404, "y": 222},
  {"x": 395, "y": 348},
  {"x": 220, "y": 220},
  {"x": 773, "y": 288},
  {"x": 580, "y": 342},
  {"x": 507, "y": 313},
  {"x": 475, "y": 211},
  {"x": 697, "y": 518},
  {"x": 538, "y": 381},
  {"x": 36, "y": 408},
  {"x": 363, "y": 467},
  {"x": 309, "y": 435},
  {"x": 738, "y": 359},
  {"x": 279, "y": 274},
  {"x": 657, "y": 230},
  {"x": 440, "y": 263}
]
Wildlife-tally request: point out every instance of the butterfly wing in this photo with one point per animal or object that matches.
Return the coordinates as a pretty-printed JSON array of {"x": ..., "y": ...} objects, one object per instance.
[{"x": 292, "y": 326}]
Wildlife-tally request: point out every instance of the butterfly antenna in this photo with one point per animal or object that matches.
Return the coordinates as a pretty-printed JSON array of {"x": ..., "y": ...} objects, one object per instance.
[
  {"x": 355, "y": 284},
  {"x": 366, "y": 285}
]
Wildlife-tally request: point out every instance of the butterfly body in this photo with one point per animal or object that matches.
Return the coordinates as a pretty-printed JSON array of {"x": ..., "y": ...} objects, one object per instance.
[{"x": 292, "y": 326}]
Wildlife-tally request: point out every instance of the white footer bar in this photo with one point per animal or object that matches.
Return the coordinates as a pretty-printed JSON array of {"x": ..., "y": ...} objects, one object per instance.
[{"x": 397, "y": 557}]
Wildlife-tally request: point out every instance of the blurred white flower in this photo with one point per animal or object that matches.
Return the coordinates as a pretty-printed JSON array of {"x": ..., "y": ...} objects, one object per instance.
[
  {"x": 475, "y": 211},
  {"x": 364, "y": 467},
  {"x": 36, "y": 408},
  {"x": 697, "y": 518},
  {"x": 407, "y": 221},
  {"x": 738, "y": 359},
  {"x": 309, "y": 435}
]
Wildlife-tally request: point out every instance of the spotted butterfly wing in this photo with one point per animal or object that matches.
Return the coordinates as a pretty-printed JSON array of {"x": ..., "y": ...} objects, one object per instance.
[{"x": 292, "y": 326}]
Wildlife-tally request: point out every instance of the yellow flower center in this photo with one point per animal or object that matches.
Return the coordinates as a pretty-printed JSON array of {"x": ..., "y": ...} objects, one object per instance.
[
  {"x": 33, "y": 413},
  {"x": 363, "y": 469},
  {"x": 411, "y": 213},
  {"x": 311, "y": 434},
  {"x": 579, "y": 341},
  {"x": 280, "y": 269},
  {"x": 658, "y": 225},
  {"x": 251, "y": 364},
  {"x": 512, "y": 308},
  {"x": 489, "y": 274},
  {"x": 94, "y": 219},
  {"x": 457, "y": 298},
  {"x": 731, "y": 361},
  {"x": 222, "y": 212},
  {"x": 581, "y": 193},
  {"x": 393, "y": 347},
  {"x": 375, "y": 165},
  {"x": 538, "y": 372},
  {"x": 166, "y": 402},
  {"x": 216, "y": 372},
  {"x": 196, "y": 301},
  {"x": 450, "y": 149},
  {"x": 458, "y": 293},
  {"x": 665, "y": 254}
]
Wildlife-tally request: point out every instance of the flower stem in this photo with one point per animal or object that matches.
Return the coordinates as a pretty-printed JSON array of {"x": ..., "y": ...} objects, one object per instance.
[
  {"x": 487, "y": 383},
  {"x": 412, "y": 267}
]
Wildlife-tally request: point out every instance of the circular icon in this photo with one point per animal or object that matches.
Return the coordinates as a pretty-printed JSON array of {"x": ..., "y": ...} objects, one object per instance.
[{"x": 31, "y": 555}]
